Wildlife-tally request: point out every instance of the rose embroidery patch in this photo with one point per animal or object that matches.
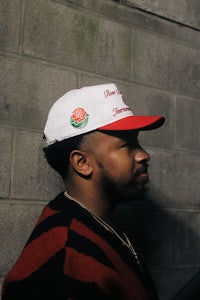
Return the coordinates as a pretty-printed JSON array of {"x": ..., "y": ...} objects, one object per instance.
[{"x": 79, "y": 118}]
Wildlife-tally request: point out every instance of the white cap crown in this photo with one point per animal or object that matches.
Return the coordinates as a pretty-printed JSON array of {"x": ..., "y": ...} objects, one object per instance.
[{"x": 83, "y": 110}]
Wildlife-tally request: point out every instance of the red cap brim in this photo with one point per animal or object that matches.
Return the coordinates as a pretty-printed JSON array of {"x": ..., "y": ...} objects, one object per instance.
[{"x": 136, "y": 123}]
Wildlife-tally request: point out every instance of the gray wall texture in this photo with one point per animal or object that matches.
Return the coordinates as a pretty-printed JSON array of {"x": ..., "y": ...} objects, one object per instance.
[{"x": 150, "y": 49}]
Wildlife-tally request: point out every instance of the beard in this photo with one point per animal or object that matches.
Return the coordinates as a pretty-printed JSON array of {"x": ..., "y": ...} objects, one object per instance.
[{"x": 116, "y": 193}]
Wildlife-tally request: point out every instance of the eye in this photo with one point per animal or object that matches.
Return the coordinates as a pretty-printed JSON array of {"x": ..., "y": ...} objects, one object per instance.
[
  {"x": 133, "y": 144},
  {"x": 127, "y": 144}
]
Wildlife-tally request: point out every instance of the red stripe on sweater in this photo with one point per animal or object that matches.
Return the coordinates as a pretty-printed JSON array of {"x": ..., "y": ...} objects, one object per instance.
[
  {"x": 86, "y": 269},
  {"x": 47, "y": 212},
  {"x": 131, "y": 284},
  {"x": 38, "y": 252}
]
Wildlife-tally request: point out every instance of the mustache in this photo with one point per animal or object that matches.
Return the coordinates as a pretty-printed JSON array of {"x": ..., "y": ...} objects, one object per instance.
[{"x": 142, "y": 170}]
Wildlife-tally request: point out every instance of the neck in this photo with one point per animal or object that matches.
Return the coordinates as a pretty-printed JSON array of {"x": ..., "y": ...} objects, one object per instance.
[{"x": 93, "y": 203}]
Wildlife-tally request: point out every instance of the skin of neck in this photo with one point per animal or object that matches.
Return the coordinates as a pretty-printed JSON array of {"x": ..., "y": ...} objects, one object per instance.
[{"x": 84, "y": 191}]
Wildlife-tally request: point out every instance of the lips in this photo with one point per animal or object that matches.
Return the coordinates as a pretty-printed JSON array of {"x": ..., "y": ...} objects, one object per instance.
[
  {"x": 144, "y": 177},
  {"x": 143, "y": 170},
  {"x": 141, "y": 175}
]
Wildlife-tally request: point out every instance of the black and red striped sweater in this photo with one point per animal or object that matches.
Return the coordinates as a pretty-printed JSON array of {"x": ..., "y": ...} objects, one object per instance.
[{"x": 70, "y": 256}]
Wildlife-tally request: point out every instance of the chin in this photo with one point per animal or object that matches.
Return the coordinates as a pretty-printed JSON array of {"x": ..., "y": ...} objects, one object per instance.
[{"x": 132, "y": 194}]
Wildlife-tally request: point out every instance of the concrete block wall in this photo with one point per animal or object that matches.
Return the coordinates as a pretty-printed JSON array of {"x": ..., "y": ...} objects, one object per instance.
[
  {"x": 50, "y": 46},
  {"x": 183, "y": 11}
]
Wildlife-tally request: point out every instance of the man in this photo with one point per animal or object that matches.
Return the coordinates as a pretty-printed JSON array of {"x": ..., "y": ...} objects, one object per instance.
[{"x": 74, "y": 251}]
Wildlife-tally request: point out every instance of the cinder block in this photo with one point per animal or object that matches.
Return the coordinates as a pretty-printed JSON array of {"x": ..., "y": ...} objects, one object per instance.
[
  {"x": 5, "y": 160},
  {"x": 187, "y": 125},
  {"x": 187, "y": 239},
  {"x": 63, "y": 35},
  {"x": 73, "y": 2},
  {"x": 10, "y": 25},
  {"x": 37, "y": 179},
  {"x": 28, "y": 89},
  {"x": 174, "y": 179},
  {"x": 165, "y": 64},
  {"x": 174, "y": 10},
  {"x": 87, "y": 80},
  {"x": 16, "y": 223},
  {"x": 140, "y": 19}
]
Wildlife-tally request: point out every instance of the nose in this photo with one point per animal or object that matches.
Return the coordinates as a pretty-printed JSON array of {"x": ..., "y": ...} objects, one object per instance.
[{"x": 142, "y": 155}]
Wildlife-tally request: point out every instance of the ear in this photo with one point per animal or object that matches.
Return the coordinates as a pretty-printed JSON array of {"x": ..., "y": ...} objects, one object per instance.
[{"x": 81, "y": 163}]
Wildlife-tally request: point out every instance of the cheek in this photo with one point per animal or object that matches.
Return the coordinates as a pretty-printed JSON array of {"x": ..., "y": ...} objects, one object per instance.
[
  {"x": 114, "y": 161},
  {"x": 122, "y": 160},
  {"x": 121, "y": 167}
]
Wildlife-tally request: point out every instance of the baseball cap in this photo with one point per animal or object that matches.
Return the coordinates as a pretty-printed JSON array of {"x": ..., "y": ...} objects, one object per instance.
[{"x": 89, "y": 108}]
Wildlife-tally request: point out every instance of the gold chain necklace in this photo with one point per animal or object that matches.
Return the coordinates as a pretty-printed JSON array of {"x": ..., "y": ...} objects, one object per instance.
[{"x": 126, "y": 242}]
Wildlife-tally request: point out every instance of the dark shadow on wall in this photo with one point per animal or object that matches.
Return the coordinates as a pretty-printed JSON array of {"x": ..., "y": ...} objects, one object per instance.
[{"x": 169, "y": 244}]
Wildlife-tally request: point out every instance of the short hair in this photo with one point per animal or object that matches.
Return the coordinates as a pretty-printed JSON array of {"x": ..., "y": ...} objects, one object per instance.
[{"x": 58, "y": 154}]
